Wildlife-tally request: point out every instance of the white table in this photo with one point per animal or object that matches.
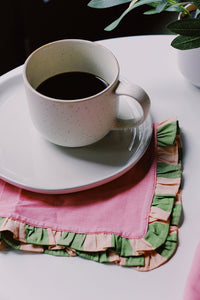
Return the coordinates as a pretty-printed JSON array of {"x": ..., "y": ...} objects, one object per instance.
[{"x": 149, "y": 61}]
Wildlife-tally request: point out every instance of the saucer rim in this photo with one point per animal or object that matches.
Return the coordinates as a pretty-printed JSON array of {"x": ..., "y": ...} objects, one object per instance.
[{"x": 65, "y": 190}]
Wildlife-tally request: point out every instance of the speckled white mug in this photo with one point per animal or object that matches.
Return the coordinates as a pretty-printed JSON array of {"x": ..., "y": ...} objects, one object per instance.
[{"x": 79, "y": 122}]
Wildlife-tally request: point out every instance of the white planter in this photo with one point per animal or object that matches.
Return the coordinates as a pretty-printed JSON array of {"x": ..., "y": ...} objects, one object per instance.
[
  {"x": 189, "y": 60},
  {"x": 189, "y": 65}
]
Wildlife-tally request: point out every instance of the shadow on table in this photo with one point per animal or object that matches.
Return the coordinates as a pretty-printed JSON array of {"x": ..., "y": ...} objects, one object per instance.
[{"x": 183, "y": 152}]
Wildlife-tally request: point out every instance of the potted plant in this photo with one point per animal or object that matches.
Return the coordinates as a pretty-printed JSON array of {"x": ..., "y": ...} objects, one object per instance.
[{"x": 187, "y": 27}]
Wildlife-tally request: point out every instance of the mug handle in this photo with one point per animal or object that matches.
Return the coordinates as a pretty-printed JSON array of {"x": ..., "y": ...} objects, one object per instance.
[{"x": 137, "y": 94}]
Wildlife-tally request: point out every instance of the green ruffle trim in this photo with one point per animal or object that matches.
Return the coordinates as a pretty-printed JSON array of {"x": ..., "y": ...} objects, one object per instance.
[
  {"x": 147, "y": 253},
  {"x": 166, "y": 134}
]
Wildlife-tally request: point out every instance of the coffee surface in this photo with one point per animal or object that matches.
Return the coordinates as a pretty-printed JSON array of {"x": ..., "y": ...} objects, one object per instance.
[{"x": 72, "y": 85}]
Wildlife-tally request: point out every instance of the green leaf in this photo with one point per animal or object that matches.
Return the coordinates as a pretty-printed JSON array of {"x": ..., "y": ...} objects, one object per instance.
[
  {"x": 180, "y": 3},
  {"x": 114, "y": 24},
  {"x": 197, "y": 13},
  {"x": 161, "y": 6},
  {"x": 106, "y": 3},
  {"x": 196, "y": 3},
  {"x": 173, "y": 9},
  {"x": 187, "y": 27},
  {"x": 186, "y": 42},
  {"x": 169, "y": 7},
  {"x": 143, "y": 2}
]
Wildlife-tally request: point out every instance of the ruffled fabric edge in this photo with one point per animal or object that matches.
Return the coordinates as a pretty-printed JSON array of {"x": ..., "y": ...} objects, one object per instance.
[{"x": 144, "y": 254}]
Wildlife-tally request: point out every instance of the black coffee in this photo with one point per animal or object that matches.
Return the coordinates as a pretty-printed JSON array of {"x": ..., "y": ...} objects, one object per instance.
[{"x": 72, "y": 85}]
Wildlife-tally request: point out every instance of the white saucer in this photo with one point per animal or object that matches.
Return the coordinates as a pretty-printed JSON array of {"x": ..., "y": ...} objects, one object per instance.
[{"x": 30, "y": 162}]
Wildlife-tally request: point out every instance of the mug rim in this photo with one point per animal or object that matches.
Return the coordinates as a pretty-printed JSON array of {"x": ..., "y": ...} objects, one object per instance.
[{"x": 26, "y": 81}]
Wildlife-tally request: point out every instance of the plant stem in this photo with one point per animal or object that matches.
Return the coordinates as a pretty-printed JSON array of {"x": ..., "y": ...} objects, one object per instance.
[
  {"x": 186, "y": 11},
  {"x": 182, "y": 7}
]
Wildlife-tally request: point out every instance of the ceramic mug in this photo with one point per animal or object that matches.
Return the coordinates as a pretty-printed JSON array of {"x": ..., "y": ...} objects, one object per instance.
[{"x": 78, "y": 122}]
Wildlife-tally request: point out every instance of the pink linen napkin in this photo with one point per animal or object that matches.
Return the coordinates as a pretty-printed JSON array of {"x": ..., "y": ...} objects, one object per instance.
[
  {"x": 131, "y": 221},
  {"x": 192, "y": 287},
  {"x": 120, "y": 207}
]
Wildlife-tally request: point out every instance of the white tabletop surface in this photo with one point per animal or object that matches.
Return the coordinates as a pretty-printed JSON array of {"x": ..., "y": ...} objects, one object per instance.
[{"x": 150, "y": 62}]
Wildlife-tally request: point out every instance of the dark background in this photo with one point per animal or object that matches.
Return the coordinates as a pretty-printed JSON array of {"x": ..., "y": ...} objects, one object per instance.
[{"x": 28, "y": 24}]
